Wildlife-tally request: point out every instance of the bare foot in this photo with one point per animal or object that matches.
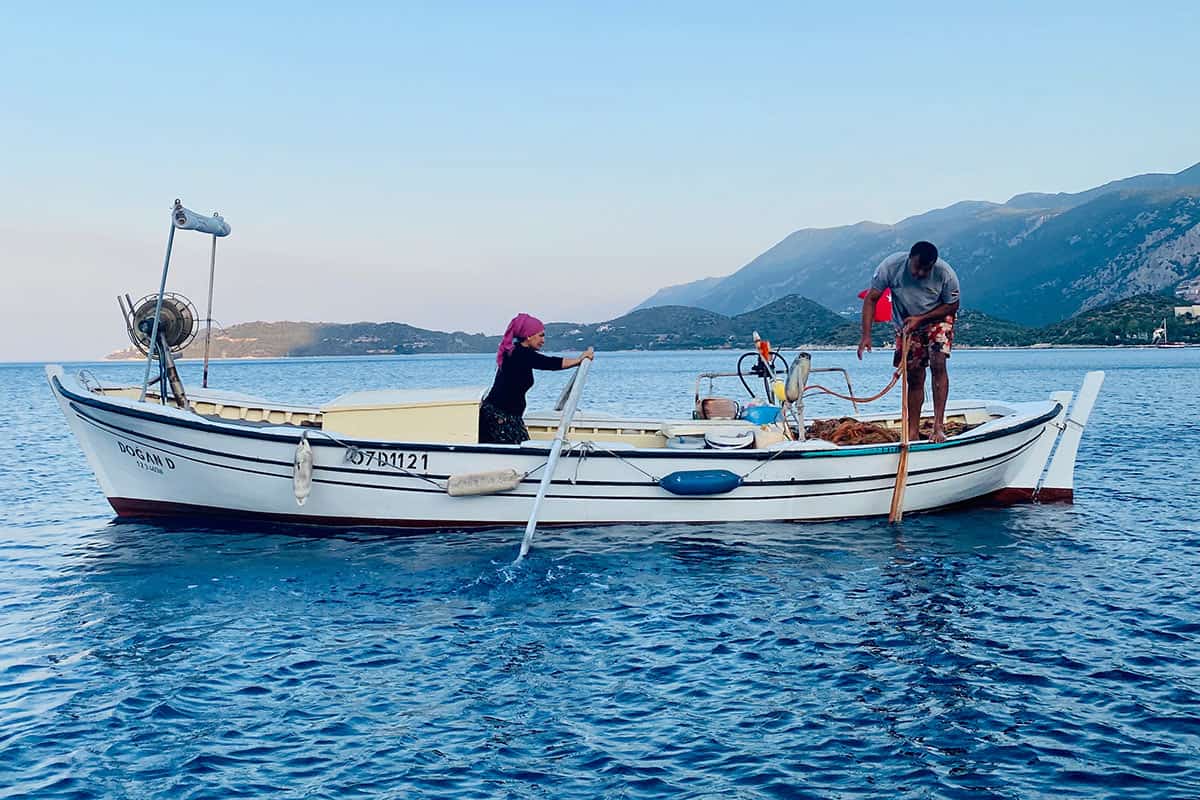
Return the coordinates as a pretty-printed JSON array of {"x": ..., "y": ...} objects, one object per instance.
[{"x": 938, "y": 435}]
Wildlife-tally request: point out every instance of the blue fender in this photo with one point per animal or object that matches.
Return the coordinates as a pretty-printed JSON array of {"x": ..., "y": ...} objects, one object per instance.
[{"x": 701, "y": 481}]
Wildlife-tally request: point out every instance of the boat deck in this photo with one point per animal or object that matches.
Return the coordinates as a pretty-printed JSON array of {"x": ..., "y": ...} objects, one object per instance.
[{"x": 628, "y": 432}]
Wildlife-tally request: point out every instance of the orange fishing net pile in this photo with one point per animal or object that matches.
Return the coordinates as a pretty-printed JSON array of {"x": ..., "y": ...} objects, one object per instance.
[
  {"x": 848, "y": 430},
  {"x": 952, "y": 427}
]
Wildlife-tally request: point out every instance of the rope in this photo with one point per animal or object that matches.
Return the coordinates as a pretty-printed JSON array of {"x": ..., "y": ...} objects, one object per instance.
[
  {"x": 568, "y": 448},
  {"x": 772, "y": 457},
  {"x": 351, "y": 450},
  {"x": 591, "y": 447},
  {"x": 535, "y": 469},
  {"x": 585, "y": 448},
  {"x": 905, "y": 341},
  {"x": 90, "y": 381}
]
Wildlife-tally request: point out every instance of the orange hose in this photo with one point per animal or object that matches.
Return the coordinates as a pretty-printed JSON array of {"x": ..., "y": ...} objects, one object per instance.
[{"x": 851, "y": 398}]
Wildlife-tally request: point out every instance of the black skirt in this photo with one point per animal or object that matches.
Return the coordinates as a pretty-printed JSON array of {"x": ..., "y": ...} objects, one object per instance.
[{"x": 497, "y": 426}]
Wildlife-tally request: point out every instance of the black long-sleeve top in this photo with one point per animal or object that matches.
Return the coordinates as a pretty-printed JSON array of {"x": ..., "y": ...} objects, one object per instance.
[{"x": 515, "y": 377}]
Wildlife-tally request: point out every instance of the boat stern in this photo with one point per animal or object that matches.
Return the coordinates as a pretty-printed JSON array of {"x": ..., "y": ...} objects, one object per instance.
[{"x": 1057, "y": 447}]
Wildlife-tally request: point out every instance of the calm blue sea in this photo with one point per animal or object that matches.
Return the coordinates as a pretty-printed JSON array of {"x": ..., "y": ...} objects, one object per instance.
[{"x": 1018, "y": 653}]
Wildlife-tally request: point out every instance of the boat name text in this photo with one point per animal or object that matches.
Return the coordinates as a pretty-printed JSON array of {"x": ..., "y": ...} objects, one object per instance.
[
  {"x": 147, "y": 459},
  {"x": 384, "y": 460}
]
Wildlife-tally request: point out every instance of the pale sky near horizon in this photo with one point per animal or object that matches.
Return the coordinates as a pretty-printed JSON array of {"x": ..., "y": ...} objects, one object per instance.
[{"x": 452, "y": 164}]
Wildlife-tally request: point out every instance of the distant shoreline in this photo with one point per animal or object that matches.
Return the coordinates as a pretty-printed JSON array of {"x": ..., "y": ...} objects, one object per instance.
[{"x": 782, "y": 348}]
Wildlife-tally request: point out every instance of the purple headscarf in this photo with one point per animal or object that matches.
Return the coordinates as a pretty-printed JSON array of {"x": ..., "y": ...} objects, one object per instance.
[{"x": 522, "y": 326}]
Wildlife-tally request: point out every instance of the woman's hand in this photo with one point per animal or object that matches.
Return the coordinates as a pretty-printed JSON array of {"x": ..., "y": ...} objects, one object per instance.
[{"x": 568, "y": 363}]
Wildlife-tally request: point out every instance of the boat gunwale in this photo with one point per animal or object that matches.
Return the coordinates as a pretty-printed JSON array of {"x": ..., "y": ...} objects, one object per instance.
[{"x": 291, "y": 434}]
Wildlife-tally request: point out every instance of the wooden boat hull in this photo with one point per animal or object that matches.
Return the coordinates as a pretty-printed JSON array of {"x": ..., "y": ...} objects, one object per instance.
[{"x": 153, "y": 460}]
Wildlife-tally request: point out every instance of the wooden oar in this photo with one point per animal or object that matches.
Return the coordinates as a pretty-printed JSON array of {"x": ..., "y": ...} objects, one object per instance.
[
  {"x": 566, "y": 392},
  {"x": 897, "y": 511},
  {"x": 564, "y": 425}
]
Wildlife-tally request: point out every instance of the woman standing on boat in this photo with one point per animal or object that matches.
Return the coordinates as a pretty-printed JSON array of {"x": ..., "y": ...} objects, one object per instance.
[{"x": 501, "y": 416}]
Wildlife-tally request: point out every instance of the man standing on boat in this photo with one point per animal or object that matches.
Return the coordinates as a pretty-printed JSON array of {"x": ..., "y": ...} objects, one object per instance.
[{"x": 924, "y": 302}]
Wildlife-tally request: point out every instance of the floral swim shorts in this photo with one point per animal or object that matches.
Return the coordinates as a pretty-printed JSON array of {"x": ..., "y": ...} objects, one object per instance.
[{"x": 934, "y": 337}]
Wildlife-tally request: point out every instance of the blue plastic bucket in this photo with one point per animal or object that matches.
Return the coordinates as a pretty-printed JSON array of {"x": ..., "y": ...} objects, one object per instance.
[{"x": 761, "y": 415}]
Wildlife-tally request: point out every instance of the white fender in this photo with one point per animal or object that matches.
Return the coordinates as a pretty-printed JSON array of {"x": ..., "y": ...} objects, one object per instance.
[
  {"x": 471, "y": 483},
  {"x": 302, "y": 469}
]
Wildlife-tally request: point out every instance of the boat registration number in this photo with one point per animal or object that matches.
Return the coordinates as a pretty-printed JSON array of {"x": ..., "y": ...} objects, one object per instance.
[{"x": 388, "y": 459}]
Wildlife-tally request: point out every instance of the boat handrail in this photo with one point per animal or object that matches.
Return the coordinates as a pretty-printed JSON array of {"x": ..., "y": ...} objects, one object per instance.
[{"x": 710, "y": 376}]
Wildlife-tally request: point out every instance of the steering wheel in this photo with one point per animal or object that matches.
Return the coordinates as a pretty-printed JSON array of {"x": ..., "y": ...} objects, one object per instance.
[{"x": 757, "y": 370}]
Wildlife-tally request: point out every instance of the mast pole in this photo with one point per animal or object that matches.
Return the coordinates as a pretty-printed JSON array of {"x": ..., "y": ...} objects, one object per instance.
[
  {"x": 212, "y": 270},
  {"x": 162, "y": 287}
]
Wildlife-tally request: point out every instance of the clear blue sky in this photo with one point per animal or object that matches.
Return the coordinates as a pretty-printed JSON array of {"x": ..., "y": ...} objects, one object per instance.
[{"x": 450, "y": 164}]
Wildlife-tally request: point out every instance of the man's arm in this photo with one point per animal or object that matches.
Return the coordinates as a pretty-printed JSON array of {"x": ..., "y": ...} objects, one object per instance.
[
  {"x": 868, "y": 317},
  {"x": 938, "y": 312}
]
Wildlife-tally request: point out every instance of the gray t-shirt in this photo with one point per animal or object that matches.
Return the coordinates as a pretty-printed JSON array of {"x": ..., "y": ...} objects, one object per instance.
[{"x": 911, "y": 296}]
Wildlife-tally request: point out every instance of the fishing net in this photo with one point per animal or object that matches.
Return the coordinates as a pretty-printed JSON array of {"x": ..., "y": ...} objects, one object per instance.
[
  {"x": 848, "y": 431},
  {"x": 952, "y": 427}
]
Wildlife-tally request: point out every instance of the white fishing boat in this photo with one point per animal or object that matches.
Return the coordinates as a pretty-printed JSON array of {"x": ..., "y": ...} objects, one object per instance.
[{"x": 410, "y": 458}]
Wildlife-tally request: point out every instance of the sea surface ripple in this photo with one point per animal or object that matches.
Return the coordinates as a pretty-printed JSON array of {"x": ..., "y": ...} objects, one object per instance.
[{"x": 1036, "y": 651}]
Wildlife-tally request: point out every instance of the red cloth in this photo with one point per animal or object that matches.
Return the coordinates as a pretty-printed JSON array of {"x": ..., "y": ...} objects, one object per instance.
[
  {"x": 883, "y": 306},
  {"x": 522, "y": 326}
]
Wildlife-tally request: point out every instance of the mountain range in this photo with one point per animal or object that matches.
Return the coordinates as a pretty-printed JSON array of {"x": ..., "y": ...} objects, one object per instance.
[
  {"x": 1093, "y": 267},
  {"x": 790, "y": 322},
  {"x": 1035, "y": 260}
]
